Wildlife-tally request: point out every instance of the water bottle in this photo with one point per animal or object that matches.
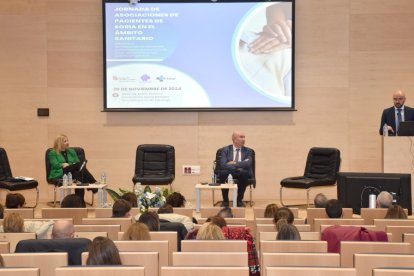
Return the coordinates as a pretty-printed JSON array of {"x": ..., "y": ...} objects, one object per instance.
[
  {"x": 70, "y": 181},
  {"x": 65, "y": 180},
  {"x": 138, "y": 188},
  {"x": 103, "y": 178},
  {"x": 385, "y": 130},
  {"x": 230, "y": 180}
]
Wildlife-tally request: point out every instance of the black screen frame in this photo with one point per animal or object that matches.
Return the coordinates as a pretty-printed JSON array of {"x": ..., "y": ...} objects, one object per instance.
[
  {"x": 351, "y": 185},
  {"x": 198, "y": 109}
]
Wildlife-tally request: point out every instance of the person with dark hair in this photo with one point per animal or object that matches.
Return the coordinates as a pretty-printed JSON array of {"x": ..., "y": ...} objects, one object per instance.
[
  {"x": 151, "y": 220},
  {"x": 320, "y": 200},
  {"x": 64, "y": 160},
  {"x": 225, "y": 212},
  {"x": 217, "y": 220},
  {"x": 72, "y": 201},
  {"x": 333, "y": 208},
  {"x": 270, "y": 210},
  {"x": 165, "y": 209},
  {"x": 131, "y": 198},
  {"x": 395, "y": 212},
  {"x": 13, "y": 223},
  {"x": 287, "y": 231},
  {"x": 121, "y": 209},
  {"x": 137, "y": 232},
  {"x": 103, "y": 251},
  {"x": 283, "y": 213},
  {"x": 176, "y": 200},
  {"x": 15, "y": 200}
]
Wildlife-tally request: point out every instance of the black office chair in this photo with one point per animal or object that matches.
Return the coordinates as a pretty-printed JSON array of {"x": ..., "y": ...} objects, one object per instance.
[
  {"x": 154, "y": 165},
  {"x": 251, "y": 183},
  {"x": 56, "y": 182},
  {"x": 7, "y": 182},
  {"x": 322, "y": 167}
]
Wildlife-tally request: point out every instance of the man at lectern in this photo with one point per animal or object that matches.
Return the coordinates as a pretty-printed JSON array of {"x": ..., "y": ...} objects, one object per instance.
[
  {"x": 236, "y": 159},
  {"x": 394, "y": 115}
]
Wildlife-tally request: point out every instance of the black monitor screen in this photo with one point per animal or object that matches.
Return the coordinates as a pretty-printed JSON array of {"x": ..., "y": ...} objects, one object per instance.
[{"x": 354, "y": 189}]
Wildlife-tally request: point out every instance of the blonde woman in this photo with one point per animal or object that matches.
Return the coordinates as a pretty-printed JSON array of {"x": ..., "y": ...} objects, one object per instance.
[
  {"x": 137, "y": 232},
  {"x": 64, "y": 160},
  {"x": 210, "y": 231}
]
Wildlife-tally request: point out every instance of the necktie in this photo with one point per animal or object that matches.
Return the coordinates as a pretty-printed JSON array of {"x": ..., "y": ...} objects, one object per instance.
[
  {"x": 399, "y": 119},
  {"x": 237, "y": 155}
]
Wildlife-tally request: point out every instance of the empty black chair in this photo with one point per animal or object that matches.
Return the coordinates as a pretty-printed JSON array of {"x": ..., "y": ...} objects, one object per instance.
[
  {"x": 56, "y": 182},
  {"x": 251, "y": 183},
  {"x": 9, "y": 183},
  {"x": 154, "y": 165},
  {"x": 321, "y": 169}
]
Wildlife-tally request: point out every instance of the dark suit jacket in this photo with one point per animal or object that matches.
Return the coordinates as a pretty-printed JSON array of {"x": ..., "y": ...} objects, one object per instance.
[
  {"x": 227, "y": 156},
  {"x": 388, "y": 117}
]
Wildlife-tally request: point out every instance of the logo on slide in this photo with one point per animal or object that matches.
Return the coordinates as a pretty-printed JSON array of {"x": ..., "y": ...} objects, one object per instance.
[{"x": 145, "y": 78}]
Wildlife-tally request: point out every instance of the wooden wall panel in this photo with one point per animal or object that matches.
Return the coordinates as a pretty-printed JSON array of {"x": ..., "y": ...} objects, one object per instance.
[{"x": 350, "y": 56}]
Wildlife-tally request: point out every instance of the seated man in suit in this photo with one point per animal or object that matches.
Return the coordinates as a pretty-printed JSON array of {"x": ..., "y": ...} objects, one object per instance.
[
  {"x": 236, "y": 159},
  {"x": 394, "y": 115}
]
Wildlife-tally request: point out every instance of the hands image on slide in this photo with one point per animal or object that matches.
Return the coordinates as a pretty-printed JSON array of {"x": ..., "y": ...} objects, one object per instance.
[{"x": 265, "y": 49}]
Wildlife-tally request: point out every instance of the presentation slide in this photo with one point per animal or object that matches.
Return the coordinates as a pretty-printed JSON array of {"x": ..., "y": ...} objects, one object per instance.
[{"x": 203, "y": 55}]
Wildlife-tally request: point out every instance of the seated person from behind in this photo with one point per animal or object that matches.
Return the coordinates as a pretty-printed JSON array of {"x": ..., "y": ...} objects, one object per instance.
[
  {"x": 121, "y": 209},
  {"x": 333, "y": 208},
  {"x": 15, "y": 200},
  {"x": 283, "y": 213},
  {"x": 177, "y": 200},
  {"x": 72, "y": 201},
  {"x": 103, "y": 251},
  {"x": 236, "y": 159},
  {"x": 395, "y": 212},
  {"x": 63, "y": 229},
  {"x": 384, "y": 200},
  {"x": 287, "y": 231},
  {"x": 13, "y": 223},
  {"x": 320, "y": 200},
  {"x": 166, "y": 212},
  {"x": 151, "y": 220},
  {"x": 270, "y": 210},
  {"x": 131, "y": 198},
  {"x": 64, "y": 160},
  {"x": 137, "y": 232},
  {"x": 226, "y": 212}
]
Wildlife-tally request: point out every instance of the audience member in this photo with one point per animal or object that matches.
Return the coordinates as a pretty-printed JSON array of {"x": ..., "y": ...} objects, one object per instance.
[
  {"x": 103, "y": 251},
  {"x": 235, "y": 233},
  {"x": 63, "y": 229},
  {"x": 13, "y": 223},
  {"x": 176, "y": 200},
  {"x": 210, "y": 231},
  {"x": 384, "y": 200},
  {"x": 270, "y": 210},
  {"x": 72, "y": 201},
  {"x": 333, "y": 208},
  {"x": 283, "y": 213},
  {"x": 320, "y": 200},
  {"x": 287, "y": 231},
  {"x": 395, "y": 212},
  {"x": 166, "y": 212},
  {"x": 151, "y": 220},
  {"x": 15, "y": 200},
  {"x": 225, "y": 212},
  {"x": 337, "y": 233},
  {"x": 121, "y": 209},
  {"x": 131, "y": 198},
  {"x": 137, "y": 232}
]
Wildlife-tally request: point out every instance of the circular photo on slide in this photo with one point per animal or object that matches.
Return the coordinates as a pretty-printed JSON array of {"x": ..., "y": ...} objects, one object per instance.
[
  {"x": 263, "y": 50},
  {"x": 153, "y": 86}
]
